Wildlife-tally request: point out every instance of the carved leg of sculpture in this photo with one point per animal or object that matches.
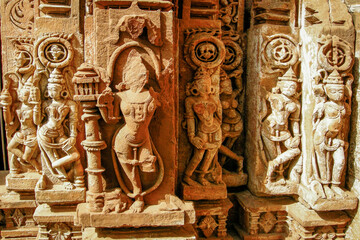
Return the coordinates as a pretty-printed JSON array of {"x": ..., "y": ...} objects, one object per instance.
[
  {"x": 205, "y": 165},
  {"x": 338, "y": 168},
  {"x": 15, "y": 167},
  {"x": 270, "y": 147},
  {"x": 13, "y": 148},
  {"x": 281, "y": 159},
  {"x": 132, "y": 173},
  {"x": 72, "y": 156},
  {"x": 322, "y": 164},
  {"x": 194, "y": 162},
  {"x": 27, "y": 157},
  {"x": 52, "y": 154}
]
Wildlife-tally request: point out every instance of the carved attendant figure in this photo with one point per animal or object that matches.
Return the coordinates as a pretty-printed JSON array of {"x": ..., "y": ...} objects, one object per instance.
[
  {"x": 329, "y": 118},
  {"x": 280, "y": 130},
  {"x": 204, "y": 108},
  {"x": 23, "y": 143},
  {"x": 232, "y": 124},
  {"x": 132, "y": 143},
  {"x": 57, "y": 136}
]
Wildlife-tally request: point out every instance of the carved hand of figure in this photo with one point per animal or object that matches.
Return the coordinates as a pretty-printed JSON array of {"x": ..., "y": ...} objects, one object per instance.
[
  {"x": 72, "y": 141},
  {"x": 318, "y": 112},
  {"x": 5, "y": 98},
  {"x": 197, "y": 142}
]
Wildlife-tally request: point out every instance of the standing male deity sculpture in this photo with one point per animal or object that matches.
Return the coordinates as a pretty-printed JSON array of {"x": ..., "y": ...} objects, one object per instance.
[{"x": 331, "y": 111}]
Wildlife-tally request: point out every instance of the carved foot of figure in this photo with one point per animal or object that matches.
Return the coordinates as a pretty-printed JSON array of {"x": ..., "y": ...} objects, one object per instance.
[
  {"x": 270, "y": 170},
  {"x": 318, "y": 189},
  {"x": 338, "y": 191},
  {"x": 203, "y": 181},
  {"x": 68, "y": 186},
  {"x": 281, "y": 181},
  {"x": 189, "y": 181},
  {"x": 41, "y": 184},
  {"x": 328, "y": 192},
  {"x": 16, "y": 175},
  {"x": 137, "y": 206}
]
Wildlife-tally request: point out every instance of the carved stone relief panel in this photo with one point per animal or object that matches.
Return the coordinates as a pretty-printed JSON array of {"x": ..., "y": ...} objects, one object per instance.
[
  {"x": 327, "y": 62},
  {"x": 273, "y": 150}
]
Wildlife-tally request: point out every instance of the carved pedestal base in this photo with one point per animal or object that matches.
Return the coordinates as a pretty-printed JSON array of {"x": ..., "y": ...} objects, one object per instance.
[
  {"x": 313, "y": 201},
  {"x": 165, "y": 233},
  {"x": 60, "y": 196},
  {"x": 18, "y": 210},
  {"x": 211, "y": 219},
  {"x": 200, "y": 192},
  {"x": 152, "y": 216},
  {"x": 262, "y": 218},
  {"x": 310, "y": 224},
  {"x": 27, "y": 183},
  {"x": 57, "y": 222}
]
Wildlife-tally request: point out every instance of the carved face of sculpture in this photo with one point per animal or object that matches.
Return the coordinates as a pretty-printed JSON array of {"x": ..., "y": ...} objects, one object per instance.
[
  {"x": 288, "y": 88},
  {"x": 24, "y": 94},
  {"x": 207, "y": 51},
  {"x": 335, "y": 92},
  {"x": 54, "y": 91},
  {"x": 22, "y": 59}
]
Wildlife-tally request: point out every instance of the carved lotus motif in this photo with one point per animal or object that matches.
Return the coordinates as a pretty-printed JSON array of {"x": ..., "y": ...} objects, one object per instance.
[
  {"x": 267, "y": 221},
  {"x": 207, "y": 225}
]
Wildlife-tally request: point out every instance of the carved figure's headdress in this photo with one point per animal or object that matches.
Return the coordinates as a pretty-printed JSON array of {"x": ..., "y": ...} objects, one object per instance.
[
  {"x": 289, "y": 76},
  {"x": 334, "y": 78},
  {"x": 134, "y": 66},
  {"x": 56, "y": 77}
]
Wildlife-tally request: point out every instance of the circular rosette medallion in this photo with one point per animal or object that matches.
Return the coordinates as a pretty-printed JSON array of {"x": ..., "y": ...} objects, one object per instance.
[
  {"x": 233, "y": 56},
  {"x": 204, "y": 50},
  {"x": 55, "y": 52},
  {"x": 335, "y": 53},
  {"x": 280, "y": 51}
]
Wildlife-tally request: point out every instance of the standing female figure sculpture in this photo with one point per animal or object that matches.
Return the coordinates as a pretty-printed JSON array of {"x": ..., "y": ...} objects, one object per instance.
[
  {"x": 203, "y": 119},
  {"x": 329, "y": 119},
  {"x": 57, "y": 135},
  {"x": 23, "y": 144},
  {"x": 280, "y": 130},
  {"x": 132, "y": 143}
]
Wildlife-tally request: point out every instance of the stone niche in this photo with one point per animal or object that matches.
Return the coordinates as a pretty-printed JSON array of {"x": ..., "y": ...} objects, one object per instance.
[{"x": 194, "y": 119}]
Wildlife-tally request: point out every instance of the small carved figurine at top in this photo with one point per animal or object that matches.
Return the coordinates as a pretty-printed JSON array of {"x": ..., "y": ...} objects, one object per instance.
[
  {"x": 280, "y": 130},
  {"x": 203, "y": 120},
  {"x": 57, "y": 135},
  {"x": 331, "y": 111}
]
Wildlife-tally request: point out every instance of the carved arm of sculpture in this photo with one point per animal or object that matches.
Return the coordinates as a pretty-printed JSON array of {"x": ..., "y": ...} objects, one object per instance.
[
  {"x": 73, "y": 118},
  {"x": 190, "y": 122}
]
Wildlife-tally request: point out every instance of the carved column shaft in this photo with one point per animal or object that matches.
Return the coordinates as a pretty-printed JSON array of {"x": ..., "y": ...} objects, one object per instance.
[{"x": 93, "y": 145}]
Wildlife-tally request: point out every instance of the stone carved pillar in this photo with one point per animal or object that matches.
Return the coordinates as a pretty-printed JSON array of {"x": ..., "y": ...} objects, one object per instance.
[
  {"x": 87, "y": 89},
  {"x": 328, "y": 57},
  {"x": 273, "y": 130}
]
